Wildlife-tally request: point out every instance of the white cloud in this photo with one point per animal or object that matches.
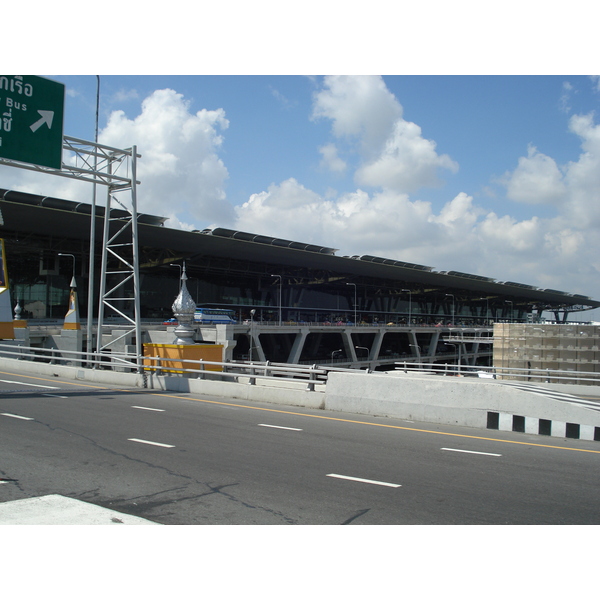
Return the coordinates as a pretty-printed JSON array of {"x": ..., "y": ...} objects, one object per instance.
[
  {"x": 583, "y": 176},
  {"x": 288, "y": 211},
  {"x": 331, "y": 161},
  {"x": 407, "y": 162},
  {"x": 181, "y": 172},
  {"x": 354, "y": 222},
  {"x": 386, "y": 224},
  {"x": 573, "y": 188},
  {"x": 506, "y": 234},
  {"x": 359, "y": 107},
  {"x": 393, "y": 152},
  {"x": 562, "y": 251},
  {"x": 536, "y": 180}
]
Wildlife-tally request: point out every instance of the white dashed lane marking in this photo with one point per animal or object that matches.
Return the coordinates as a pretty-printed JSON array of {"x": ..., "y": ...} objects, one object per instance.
[
  {"x": 17, "y": 417},
  {"x": 279, "y": 427},
  {"x": 150, "y": 443},
  {"x": 471, "y": 452},
  {"x": 48, "y": 387},
  {"x": 360, "y": 480}
]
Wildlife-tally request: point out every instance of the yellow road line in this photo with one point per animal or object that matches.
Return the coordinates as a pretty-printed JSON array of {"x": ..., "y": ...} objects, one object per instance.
[{"x": 288, "y": 412}]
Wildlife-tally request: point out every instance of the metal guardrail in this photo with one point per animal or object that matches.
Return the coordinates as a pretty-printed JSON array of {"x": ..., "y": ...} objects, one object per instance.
[
  {"x": 235, "y": 369},
  {"x": 59, "y": 356},
  {"x": 201, "y": 368},
  {"x": 504, "y": 373},
  {"x": 313, "y": 374}
]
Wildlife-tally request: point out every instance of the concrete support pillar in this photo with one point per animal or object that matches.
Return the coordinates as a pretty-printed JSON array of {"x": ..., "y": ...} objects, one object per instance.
[
  {"x": 296, "y": 351},
  {"x": 377, "y": 344},
  {"x": 348, "y": 345},
  {"x": 257, "y": 349}
]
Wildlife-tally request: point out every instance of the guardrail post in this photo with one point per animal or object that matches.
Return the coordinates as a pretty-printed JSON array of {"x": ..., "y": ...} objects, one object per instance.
[
  {"x": 202, "y": 369},
  {"x": 311, "y": 379},
  {"x": 252, "y": 380}
]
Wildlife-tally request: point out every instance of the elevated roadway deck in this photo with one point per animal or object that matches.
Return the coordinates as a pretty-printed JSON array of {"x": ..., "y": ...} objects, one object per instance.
[{"x": 362, "y": 346}]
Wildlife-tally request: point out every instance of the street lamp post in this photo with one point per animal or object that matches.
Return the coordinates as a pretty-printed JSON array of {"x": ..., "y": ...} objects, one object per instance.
[
  {"x": 457, "y": 349},
  {"x": 73, "y": 284},
  {"x": 418, "y": 350},
  {"x": 280, "y": 283},
  {"x": 180, "y": 272},
  {"x": 90, "y": 305},
  {"x": 362, "y": 348},
  {"x": 355, "y": 321},
  {"x": 252, "y": 313}
]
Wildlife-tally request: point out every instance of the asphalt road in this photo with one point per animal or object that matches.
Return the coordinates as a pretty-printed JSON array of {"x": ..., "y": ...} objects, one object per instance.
[{"x": 177, "y": 458}]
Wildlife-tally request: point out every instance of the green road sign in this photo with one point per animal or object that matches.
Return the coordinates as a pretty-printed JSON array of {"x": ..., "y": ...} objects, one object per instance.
[{"x": 31, "y": 119}]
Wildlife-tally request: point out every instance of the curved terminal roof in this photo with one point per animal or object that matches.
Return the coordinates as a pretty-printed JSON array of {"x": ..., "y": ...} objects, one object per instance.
[
  {"x": 69, "y": 206},
  {"x": 52, "y": 216},
  {"x": 270, "y": 241}
]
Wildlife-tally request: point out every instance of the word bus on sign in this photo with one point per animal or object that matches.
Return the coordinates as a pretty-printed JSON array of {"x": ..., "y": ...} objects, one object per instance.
[{"x": 31, "y": 120}]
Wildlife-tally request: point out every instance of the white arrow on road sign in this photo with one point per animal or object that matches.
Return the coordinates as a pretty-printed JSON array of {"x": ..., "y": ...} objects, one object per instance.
[{"x": 47, "y": 116}]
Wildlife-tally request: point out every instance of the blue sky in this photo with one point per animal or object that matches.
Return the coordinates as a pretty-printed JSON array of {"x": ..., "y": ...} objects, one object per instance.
[{"x": 494, "y": 174}]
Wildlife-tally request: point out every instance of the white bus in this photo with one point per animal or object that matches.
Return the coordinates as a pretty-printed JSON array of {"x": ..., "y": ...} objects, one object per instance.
[{"x": 214, "y": 316}]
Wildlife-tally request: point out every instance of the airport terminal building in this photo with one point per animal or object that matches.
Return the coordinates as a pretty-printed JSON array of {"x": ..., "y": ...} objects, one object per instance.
[
  {"x": 314, "y": 297},
  {"x": 244, "y": 271}
]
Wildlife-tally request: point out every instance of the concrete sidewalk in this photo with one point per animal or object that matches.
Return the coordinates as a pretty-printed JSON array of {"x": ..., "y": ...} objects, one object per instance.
[{"x": 60, "y": 510}]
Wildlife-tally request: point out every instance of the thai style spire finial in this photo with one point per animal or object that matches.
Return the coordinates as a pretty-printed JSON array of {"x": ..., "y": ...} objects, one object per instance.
[
  {"x": 184, "y": 308},
  {"x": 17, "y": 311}
]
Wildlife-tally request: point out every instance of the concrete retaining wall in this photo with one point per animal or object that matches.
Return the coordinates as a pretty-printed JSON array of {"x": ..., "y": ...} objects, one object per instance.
[
  {"x": 454, "y": 401},
  {"x": 289, "y": 393},
  {"x": 91, "y": 375},
  {"x": 286, "y": 391}
]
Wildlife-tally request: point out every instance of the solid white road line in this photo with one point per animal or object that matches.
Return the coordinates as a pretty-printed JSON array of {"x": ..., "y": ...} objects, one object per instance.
[
  {"x": 394, "y": 485},
  {"x": 147, "y": 408},
  {"x": 54, "y": 396},
  {"x": 279, "y": 427},
  {"x": 151, "y": 443},
  {"x": 48, "y": 387},
  {"x": 471, "y": 451},
  {"x": 17, "y": 417}
]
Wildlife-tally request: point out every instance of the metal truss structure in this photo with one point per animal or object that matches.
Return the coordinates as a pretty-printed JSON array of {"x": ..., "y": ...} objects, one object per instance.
[{"x": 115, "y": 169}]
